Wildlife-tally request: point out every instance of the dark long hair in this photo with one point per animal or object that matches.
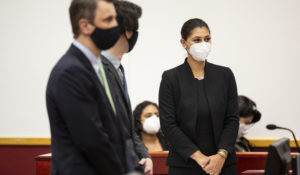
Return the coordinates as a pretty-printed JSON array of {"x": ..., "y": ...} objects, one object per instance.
[{"x": 137, "y": 115}]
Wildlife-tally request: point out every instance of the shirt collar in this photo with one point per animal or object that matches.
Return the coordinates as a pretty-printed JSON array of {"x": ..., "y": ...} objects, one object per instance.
[
  {"x": 89, "y": 54},
  {"x": 112, "y": 58}
]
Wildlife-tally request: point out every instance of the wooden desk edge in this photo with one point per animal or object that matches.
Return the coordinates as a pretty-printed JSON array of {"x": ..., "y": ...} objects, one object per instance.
[{"x": 165, "y": 154}]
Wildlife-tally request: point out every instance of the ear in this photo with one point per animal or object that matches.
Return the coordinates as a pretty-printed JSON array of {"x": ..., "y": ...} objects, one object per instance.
[
  {"x": 183, "y": 43},
  {"x": 128, "y": 34},
  {"x": 85, "y": 27}
]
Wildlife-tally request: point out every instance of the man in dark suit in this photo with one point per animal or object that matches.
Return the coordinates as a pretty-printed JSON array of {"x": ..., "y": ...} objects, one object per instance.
[
  {"x": 86, "y": 129},
  {"x": 127, "y": 16}
]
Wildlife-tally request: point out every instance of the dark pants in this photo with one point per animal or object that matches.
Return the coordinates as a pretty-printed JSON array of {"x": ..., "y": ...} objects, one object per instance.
[{"x": 228, "y": 170}]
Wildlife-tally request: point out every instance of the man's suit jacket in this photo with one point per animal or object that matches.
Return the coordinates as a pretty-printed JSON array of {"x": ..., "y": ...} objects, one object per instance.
[
  {"x": 87, "y": 137},
  {"x": 178, "y": 111},
  {"x": 138, "y": 149}
]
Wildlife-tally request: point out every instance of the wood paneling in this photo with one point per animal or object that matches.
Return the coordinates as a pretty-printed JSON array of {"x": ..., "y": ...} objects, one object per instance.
[{"x": 247, "y": 161}]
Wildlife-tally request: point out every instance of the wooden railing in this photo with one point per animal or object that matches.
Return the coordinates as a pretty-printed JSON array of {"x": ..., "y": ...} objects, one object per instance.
[{"x": 247, "y": 161}]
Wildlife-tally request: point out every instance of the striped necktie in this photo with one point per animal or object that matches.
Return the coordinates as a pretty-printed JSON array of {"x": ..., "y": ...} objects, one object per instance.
[{"x": 124, "y": 82}]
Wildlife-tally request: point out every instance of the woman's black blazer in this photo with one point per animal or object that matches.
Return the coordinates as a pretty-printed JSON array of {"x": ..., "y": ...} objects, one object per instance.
[{"x": 178, "y": 111}]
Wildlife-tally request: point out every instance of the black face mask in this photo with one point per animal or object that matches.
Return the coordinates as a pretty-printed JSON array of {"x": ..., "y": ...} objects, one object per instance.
[
  {"x": 132, "y": 40},
  {"x": 105, "y": 38}
]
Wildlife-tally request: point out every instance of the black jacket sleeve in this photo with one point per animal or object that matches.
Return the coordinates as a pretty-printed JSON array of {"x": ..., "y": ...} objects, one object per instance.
[
  {"x": 231, "y": 121},
  {"x": 181, "y": 143},
  {"x": 140, "y": 148}
]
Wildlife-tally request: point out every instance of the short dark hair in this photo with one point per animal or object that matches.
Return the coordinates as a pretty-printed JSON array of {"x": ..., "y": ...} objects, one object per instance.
[
  {"x": 82, "y": 9},
  {"x": 128, "y": 14},
  {"x": 137, "y": 112},
  {"x": 190, "y": 25},
  {"x": 248, "y": 107}
]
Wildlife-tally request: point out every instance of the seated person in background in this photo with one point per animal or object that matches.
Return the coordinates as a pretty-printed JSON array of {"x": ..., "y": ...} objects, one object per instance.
[
  {"x": 147, "y": 126},
  {"x": 248, "y": 116}
]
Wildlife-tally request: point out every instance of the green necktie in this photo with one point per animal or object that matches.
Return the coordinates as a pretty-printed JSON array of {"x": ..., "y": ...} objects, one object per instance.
[{"x": 106, "y": 87}]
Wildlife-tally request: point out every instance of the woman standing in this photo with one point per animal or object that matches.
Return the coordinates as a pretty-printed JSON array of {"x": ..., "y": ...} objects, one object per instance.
[{"x": 198, "y": 109}]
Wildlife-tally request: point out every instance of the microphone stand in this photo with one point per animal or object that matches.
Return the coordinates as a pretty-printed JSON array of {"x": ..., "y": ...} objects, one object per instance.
[{"x": 293, "y": 136}]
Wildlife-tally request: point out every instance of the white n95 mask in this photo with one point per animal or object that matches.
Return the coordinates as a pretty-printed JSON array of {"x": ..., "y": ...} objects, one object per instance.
[
  {"x": 243, "y": 130},
  {"x": 200, "y": 51},
  {"x": 151, "y": 125}
]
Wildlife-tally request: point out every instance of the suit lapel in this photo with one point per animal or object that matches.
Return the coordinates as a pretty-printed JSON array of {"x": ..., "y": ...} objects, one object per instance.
[
  {"x": 84, "y": 60},
  {"x": 189, "y": 85},
  {"x": 112, "y": 70},
  {"x": 115, "y": 75},
  {"x": 210, "y": 89}
]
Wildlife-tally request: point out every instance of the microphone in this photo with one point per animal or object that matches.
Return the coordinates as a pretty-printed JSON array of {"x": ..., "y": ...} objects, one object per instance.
[{"x": 272, "y": 127}]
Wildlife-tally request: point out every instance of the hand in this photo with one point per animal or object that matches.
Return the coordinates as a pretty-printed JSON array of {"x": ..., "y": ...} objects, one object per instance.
[
  {"x": 215, "y": 164},
  {"x": 148, "y": 164},
  {"x": 201, "y": 159}
]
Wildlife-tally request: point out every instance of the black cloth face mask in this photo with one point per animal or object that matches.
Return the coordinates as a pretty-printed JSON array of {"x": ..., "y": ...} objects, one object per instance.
[
  {"x": 132, "y": 40},
  {"x": 106, "y": 38}
]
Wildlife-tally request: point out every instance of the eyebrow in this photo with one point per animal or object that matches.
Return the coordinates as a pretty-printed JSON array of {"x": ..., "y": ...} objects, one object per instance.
[
  {"x": 151, "y": 112},
  {"x": 110, "y": 17},
  {"x": 201, "y": 37}
]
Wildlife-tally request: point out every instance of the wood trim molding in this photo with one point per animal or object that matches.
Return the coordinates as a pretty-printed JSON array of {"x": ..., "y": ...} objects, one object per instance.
[
  {"x": 267, "y": 142},
  {"x": 45, "y": 141},
  {"x": 24, "y": 141}
]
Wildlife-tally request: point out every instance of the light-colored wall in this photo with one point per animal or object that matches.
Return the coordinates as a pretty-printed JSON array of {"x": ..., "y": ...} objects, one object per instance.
[{"x": 257, "y": 39}]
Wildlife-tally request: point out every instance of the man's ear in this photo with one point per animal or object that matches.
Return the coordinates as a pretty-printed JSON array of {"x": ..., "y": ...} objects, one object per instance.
[
  {"x": 85, "y": 27},
  {"x": 128, "y": 34},
  {"x": 183, "y": 43}
]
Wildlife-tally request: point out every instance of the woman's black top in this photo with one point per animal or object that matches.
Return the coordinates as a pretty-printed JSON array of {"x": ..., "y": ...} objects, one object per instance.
[{"x": 204, "y": 128}]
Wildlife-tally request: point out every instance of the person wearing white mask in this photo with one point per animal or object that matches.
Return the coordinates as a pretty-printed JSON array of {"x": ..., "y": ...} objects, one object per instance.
[
  {"x": 147, "y": 126},
  {"x": 248, "y": 116},
  {"x": 198, "y": 109}
]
